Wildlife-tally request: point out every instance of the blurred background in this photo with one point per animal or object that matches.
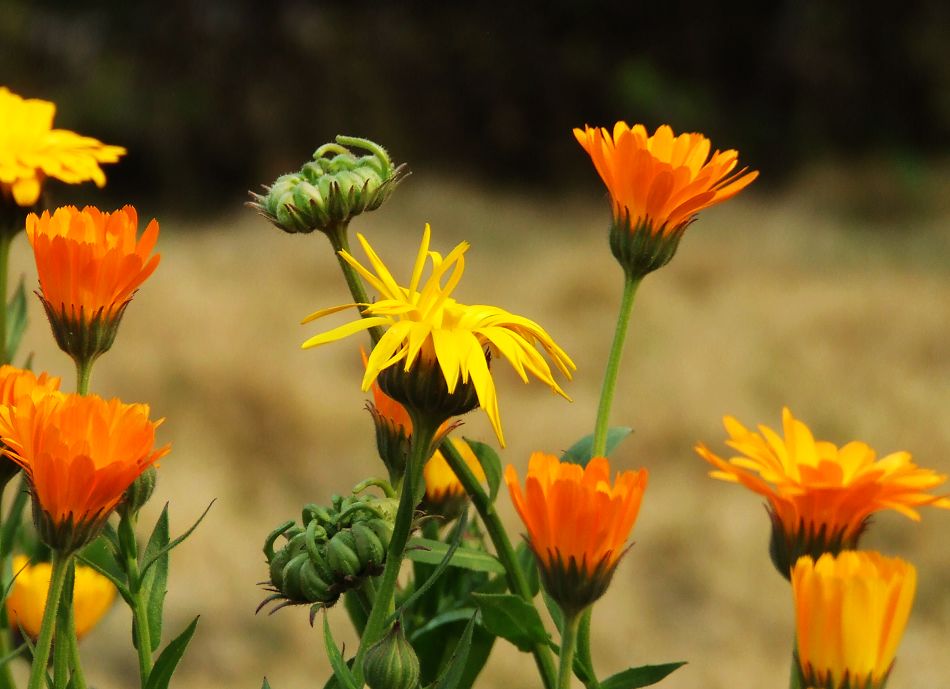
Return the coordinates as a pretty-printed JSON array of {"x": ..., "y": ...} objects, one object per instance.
[{"x": 825, "y": 286}]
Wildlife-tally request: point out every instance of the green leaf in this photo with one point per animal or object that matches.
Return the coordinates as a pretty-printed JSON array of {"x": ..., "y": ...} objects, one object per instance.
[
  {"x": 581, "y": 451},
  {"x": 529, "y": 565},
  {"x": 432, "y": 552},
  {"x": 167, "y": 661},
  {"x": 512, "y": 618},
  {"x": 265, "y": 684},
  {"x": 482, "y": 643},
  {"x": 149, "y": 561},
  {"x": 116, "y": 581},
  {"x": 456, "y": 665},
  {"x": 491, "y": 465},
  {"x": 441, "y": 620},
  {"x": 583, "y": 663},
  {"x": 341, "y": 670},
  {"x": 16, "y": 320},
  {"x": 640, "y": 676},
  {"x": 13, "y": 654},
  {"x": 155, "y": 581}
]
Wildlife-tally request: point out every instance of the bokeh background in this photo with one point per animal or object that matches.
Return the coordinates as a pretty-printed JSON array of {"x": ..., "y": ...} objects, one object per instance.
[{"x": 824, "y": 287}]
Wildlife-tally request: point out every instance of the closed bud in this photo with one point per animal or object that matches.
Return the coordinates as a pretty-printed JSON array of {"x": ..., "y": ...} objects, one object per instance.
[
  {"x": 391, "y": 663},
  {"x": 139, "y": 492}
]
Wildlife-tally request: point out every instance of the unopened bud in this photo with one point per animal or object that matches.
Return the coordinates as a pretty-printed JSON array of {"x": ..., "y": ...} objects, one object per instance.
[{"x": 391, "y": 663}]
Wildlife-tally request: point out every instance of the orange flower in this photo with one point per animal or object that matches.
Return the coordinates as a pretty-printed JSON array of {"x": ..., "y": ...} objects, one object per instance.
[
  {"x": 850, "y": 612},
  {"x": 80, "y": 454},
  {"x": 14, "y": 384},
  {"x": 657, "y": 184},
  {"x": 820, "y": 496},
  {"x": 93, "y": 595},
  {"x": 577, "y": 523},
  {"x": 90, "y": 264}
]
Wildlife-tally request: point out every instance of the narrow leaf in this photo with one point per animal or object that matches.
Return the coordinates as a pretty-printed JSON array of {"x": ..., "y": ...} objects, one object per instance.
[
  {"x": 340, "y": 669},
  {"x": 265, "y": 684},
  {"x": 529, "y": 565},
  {"x": 13, "y": 654},
  {"x": 511, "y": 618},
  {"x": 441, "y": 620},
  {"x": 167, "y": 661},
  {"x": 491, "y": 465},
  {"x": 16, "y": 320},
  {"x": 155, "y": 581},
  {"x": 148, "y": 562},
  {"x": 581, "y": 451},
  {"x": 432, "y": 552},
  {"x": 640, "y": 676},
  {"x": 456, "y": 665},
  {"x": 118, "y": 583}
]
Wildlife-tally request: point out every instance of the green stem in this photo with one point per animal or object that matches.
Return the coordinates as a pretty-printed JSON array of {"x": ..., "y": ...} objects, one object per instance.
[
  {"x": 340, "y": 242},
  {"x": 504, "y": 551},
  {"x": 143, "y": 635},
  {"x": 794, "y": 677},
  {"x": 568, "y": 643},
  {"x": 613, "y": 366},
  {"x": 423, "y": 431},
  {"x": 83, "y": 375},
  {"x": 44, "y": 642},
  {"x": 6, "y": 238},
  {"x": 78, "y": 677},
  {"x": 13, "y": 519},
  {"x": 6, "y": 677},
  {"x": 61, "y": 647}
]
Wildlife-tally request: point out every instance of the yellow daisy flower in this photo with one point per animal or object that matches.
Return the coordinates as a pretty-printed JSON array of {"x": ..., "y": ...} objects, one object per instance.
[{"x": 425, "y": 324}]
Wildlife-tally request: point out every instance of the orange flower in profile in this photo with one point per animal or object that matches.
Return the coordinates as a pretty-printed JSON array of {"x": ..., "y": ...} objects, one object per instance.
[
  {"x": 80, "y": 454},
  {"x": 90, "y": 264},
  {"x": 577, "y": 523},
  {"x": 31, "y": 150},
  {"x": 820, "y": 496},
  {"x": 657, "y": 184},
  {"x": 14, "y": 384},
  {"x": 850, "y": 614},
  {"x": 93, "y": 595}
]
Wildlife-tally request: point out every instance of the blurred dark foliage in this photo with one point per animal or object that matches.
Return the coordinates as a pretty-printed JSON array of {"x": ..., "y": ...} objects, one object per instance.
[{"x": 215, "y": 97}]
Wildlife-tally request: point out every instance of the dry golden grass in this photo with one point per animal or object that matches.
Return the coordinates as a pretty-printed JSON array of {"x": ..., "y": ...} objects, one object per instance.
[{"x": 770, "y": 301}]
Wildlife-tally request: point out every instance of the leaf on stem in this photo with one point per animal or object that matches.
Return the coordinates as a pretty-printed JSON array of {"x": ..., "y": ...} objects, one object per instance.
[
  {"x": 491, "y": 465},
  {"x": 432, "y": 552},
  {"x": 642, "y": 676},
  {"x": 581, "y": 451},
  {"x": 154, "y": 581},
  {"x": 512, "y": 618},
  {"x": 341, "y": 670},
  {"x": 456, "y": 665},
  {"x": 16, "y": 320},
  {"x": 149, "y": 561},
  {"x": 167, "y": 661}
]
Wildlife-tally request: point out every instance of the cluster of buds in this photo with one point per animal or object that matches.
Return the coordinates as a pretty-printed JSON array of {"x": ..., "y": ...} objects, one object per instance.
[
  {"x": 333, "y": 549},
  {"x": 330, "y": 189}
]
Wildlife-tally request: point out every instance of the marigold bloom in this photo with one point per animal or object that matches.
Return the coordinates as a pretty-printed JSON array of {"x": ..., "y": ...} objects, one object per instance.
[
  {"x": 31, "y": 150},
  {"x": 820, "y": 496},
  {"x": 577, "y": 522},
  {"x": 14, "y": 384},
  {"x": 448, "y": 339},
  {"x": 850, "y": 613},
  {"x": 90, "y": 264},
  {"x": 80, "y": 453},
  {"x": 93, "y": 595},
  {"x": 657, "y": 184}
]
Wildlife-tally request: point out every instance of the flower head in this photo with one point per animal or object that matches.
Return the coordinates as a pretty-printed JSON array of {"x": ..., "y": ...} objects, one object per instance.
[
  {"x": 14, "y": 384},
  {"x": 820, "y": 495},
  {"x": 850, "y": 613},
  {"x": 577, "y": 522},
  {"x": 433, "y": 343},
  {"x": 31, "y": 150},
  {"x": 80, "y": 454},
  {"x": 90, "y": 264},
  {"x": 444, "y": 492},
  {"x": 93, "y": 595},
  {"x": 657, "y": 184}
]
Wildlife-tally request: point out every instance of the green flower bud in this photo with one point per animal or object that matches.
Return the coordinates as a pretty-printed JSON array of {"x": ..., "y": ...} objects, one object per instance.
[
  {"x": 139, "y": 492},
  {"x": 391, "y": 663}
]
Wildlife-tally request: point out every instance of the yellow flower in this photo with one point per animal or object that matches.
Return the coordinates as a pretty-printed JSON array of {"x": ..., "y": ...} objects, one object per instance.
[
  {"x": 31, "y": 150},
  {"x": 93, "y": 594},
  {"x": 424, "y": 324},
  {"x": 577, "y": 522},
  {"x": 820, "y": 496},
  {"x": 850, "y": 614},
  {"x": 657, "y": 184},
  {"x": 442, "y": 485}
]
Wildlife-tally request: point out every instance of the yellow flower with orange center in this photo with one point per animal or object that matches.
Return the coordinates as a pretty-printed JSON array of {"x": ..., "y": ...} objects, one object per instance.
[
  {"x": 80, "y": 454},
  {"x": 850, "y": 614},
  {"x": 90, "y": 264},
  {"x": 14, "y": 384},
  {"x": 820, "y": 495},
  {"x": 93, "y": 595},
  {"x": 657, "y": 184},
  {"x": 434, "y": 355},
  {"x": 577, "y": 522},
  {"x": 444, "y": 492},
  {"x": 31, "y": 150}
]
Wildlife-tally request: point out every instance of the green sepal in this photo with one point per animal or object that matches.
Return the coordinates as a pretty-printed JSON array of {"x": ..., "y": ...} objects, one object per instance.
[
  {"x": 491, "y": 465},
  {"x": 164, "y": 667},
  {"x": 154, "y": 581},
  {"x": 513, "y": 619},
  {"x": 16, "y": 321},
  {"x": 149, "y": 561},
  {"x": 432, "y": 552},
  {"x": 642, "y": 676},
  {"x": 344, "y": 675},
  {"x": 455, "y": 668},
  {"x": 582, "y": 451}
]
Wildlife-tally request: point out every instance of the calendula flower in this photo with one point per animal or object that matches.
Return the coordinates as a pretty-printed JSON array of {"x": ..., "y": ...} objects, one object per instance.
[
  {"x": 433, "y": 343},
  {"x": 577, "y": 523},
  {"x": 80, "y": 454},
  {"x": 445, "y": 495},
  {"x": 820, "y": 495},
  {"x": 31, "y": 150},
  {"x": 850, "y": 613},
  {"x": 14, "y": 384},
  {"x": 93, "y": 595},
  {"x": 90, "y": 264},
  {"x": 657, "y": 184}
]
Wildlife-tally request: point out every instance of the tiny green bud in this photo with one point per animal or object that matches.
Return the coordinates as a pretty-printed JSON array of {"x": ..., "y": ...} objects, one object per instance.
[
  {"x": 391, "y": 663},
  {"x": 139, "y": 492}
]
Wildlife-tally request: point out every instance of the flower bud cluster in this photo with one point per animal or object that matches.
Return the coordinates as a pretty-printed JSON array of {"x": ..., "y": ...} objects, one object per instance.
[
  {"x": 333, "y": 550},
  {"x": 330, "y": 189}
]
